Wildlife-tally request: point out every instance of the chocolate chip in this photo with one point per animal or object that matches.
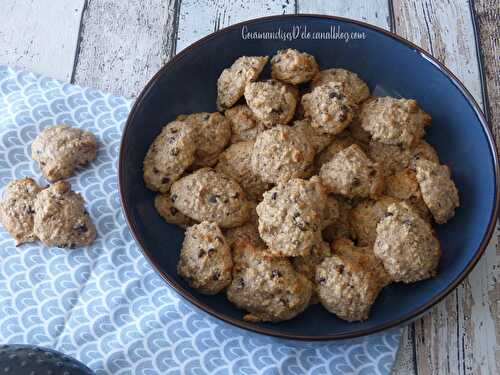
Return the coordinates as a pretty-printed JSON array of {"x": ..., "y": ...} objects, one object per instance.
[
  {"x": 173, "y": 211},
  {"x": 165, "y": 180},
  {"x": 201, "y": 253},
  {"x": 388, "y": 214},
  {"x": 213, "y": 199},
  {"x": 372, "y": 173},
  {"x": 284, "y": 302},
  {"x": 155, "y": 171},
  {"x": 241, "y": 283},
  {"x": 235, "y": 195},
  {"x": 174, "y": 151},
  {"x": 299, "y": 222},
  {"x": 275, "y": 274},
  {"x": 173, "y": 197},
  {"x": 335, "y": 95},
  {"x": 339, "y": 268},
  {"x": 211, "y": 251},
  {"x": 42, "y": 163},
  {"x": 321, "y": 281},
  {"x": 216, "y": 276},
  {"x": 30, "y": 210},
  {"x": 206, "y": 117},
  {"x": 355, "y": 182},
  {"x": 276, "y": 110},
  {"x": 80, "y": 228},
  {"x": 173, "y": 130},
  {"x": 274, "y": 196}
]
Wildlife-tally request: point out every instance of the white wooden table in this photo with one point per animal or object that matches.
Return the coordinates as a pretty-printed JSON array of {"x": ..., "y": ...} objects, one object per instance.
[{"x": 117, "y": 45}]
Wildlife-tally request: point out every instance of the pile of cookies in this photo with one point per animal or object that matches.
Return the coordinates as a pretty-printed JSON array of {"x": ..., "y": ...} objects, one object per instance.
[
  {"x": 302, "y": 189},
  {"x": 55, "y": 215}
]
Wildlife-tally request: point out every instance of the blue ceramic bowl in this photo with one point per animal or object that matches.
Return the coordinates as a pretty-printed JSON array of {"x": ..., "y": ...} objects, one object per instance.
[{"x": 390, "y": 65}]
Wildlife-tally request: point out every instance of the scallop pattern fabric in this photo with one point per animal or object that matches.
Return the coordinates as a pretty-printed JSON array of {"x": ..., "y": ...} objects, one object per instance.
[{"x": 105, "y": 305}]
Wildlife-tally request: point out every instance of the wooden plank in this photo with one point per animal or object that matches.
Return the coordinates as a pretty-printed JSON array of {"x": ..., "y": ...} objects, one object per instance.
[
  {"x": 375, "y": 12},
  {"x": 444, "y": 29},
  {"x": 487, "y": 14},
  {"x": 458, "y": 335},
  {"x": 199, "y": 18},
  {"x": 123, "y": 43},
  {"x": 40, "y": 35},
  {"x": 405, "y": 363}
]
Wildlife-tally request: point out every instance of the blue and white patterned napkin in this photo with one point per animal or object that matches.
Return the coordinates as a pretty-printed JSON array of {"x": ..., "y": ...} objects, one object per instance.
[{"x": 105, "y": 305}]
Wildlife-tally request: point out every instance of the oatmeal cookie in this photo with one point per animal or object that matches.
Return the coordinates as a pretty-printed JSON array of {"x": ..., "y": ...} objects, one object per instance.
[
  {"x": 346, "y": 288},
  {"x": 207, "y": 195},
  {"x": 282, "y": 153},
  {"x": 17, "y": 209},
  {"x": 366, "y": 215},
  {"x": 272, "y": 102},
  {"x": 329, "y": 109},
  {"x": 291, "y": 216},
  {"x": 212, "y": 133},
  {"x": 404, "y": 186},
  {"x": 407, "y": 245},
  {"x": 171, "y": 153},
  {"x": 267, "y": 287},
  {"x": 59, "y": 150},
  {"x": 232, "y": 81},
  {"x": 61, "y": 219},
  {"x": 365, "y": 256},
  {"x": 438, "y": 190},
  {"x": 353, "y": 174},
  {"x": 235, "y": 162},
  {"x": 165, "y": 207},
  {"x": 354, "y": 87},
  {"x": 205, "y": 261},
  {"x": 394, "y": 121},
  {"x": 294, "y": 67},
  {"x": 244, "y": 125}
]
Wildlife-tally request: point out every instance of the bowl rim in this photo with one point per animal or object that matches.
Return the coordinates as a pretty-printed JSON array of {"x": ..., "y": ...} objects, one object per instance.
[{"x": 407, "y": 318}]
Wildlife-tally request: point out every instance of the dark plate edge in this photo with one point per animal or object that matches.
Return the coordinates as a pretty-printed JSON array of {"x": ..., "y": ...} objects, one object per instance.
[{"x": 265, "y": 331}]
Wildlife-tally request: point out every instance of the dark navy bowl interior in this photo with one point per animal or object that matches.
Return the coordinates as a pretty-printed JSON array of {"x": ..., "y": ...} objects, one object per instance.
[{"x": 390, "y": 66}]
